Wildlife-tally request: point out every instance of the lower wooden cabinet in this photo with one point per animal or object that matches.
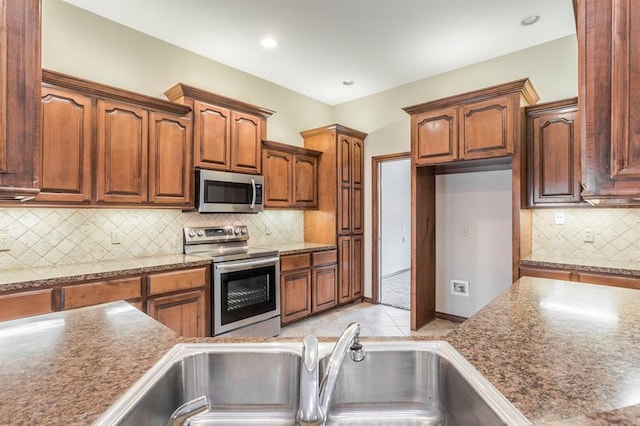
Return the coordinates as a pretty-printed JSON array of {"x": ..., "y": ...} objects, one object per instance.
[
  {"x": 308, "y": 284},
  {"x": 183, "y": 312},
  {"x": 350, "y": 253},
  {"x": 580, "y": 276},
  {"x": 178, "y": 299},
  {"x": 26, "y": 304}
]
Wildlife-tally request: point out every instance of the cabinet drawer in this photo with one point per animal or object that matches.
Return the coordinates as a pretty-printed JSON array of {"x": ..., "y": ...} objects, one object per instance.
[
  {"x": 177, "y": 280},
  {"x": 612, "y": 280},
  {"x": 324, "y": 257},
  {"x": 100, "y": 292},
  {"x": 295, "y": 261},
  {"x": 20, "y": 305}
]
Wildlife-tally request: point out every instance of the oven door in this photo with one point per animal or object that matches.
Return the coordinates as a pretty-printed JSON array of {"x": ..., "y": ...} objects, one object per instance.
[{"x": 245, "y": 292}]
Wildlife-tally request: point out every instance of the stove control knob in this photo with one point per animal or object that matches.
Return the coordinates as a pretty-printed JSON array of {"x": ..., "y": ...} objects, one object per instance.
[
  {"x": 201, "y": 233},
  {"x": 192, "y": 233},
  {"x": 236, "y": 231},
  {"x": 243, "y": 231}
]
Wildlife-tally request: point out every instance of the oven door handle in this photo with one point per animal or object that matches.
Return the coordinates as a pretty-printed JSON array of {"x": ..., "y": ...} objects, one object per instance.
[{"x": 246, "y": 265}]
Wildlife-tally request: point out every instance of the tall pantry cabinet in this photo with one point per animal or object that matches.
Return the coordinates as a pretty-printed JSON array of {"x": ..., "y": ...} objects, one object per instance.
[{"x": 339, "y": 217}]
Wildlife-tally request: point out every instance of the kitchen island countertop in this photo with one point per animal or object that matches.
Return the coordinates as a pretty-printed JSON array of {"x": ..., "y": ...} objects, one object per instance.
[{"x": 564, "y": 353}]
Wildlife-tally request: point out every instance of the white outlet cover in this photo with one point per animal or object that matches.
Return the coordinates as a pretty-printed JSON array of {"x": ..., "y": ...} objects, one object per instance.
[
  {"x": 460, "y": 288},
  {"x": 559, "y": 218}
]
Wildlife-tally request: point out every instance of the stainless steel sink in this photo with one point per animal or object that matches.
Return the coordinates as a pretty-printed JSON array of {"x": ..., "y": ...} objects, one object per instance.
[{"x": 398, "y": 383}]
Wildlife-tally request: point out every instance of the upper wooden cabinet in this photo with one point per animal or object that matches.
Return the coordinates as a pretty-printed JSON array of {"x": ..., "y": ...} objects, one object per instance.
[
  {"x": 227, "y": 133},
  {"x": 290, "y": 176},
  {"x": 472, "y": 126},
  {"x": 104, "y": 145},
  {"x": 553, "y": 153},
  {"x": 19, "y": 98},
  {"x": 608, "y": 54}
]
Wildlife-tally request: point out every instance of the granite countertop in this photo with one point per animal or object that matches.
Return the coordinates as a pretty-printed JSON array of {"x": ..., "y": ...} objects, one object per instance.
[
  {"x": 563, "y": 353},
  {"x": 559, "y": 351},
  {"x": 619, "y": 267},
  {"x": 299, "y": 248},
  {"x": 24, "y": 279}
]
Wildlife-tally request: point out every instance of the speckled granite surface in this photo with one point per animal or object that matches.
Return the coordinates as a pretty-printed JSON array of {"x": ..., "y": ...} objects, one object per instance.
[
  {"x": 620, "y": 267},
  {"x": 48, "y": 275},
  {"x": 564, "y": 353},
  {"x": 558, "y": 350},
  {"x": 297, "y": 248}
]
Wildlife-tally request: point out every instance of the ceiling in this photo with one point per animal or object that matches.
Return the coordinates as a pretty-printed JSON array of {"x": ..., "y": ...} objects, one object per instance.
[{"x": 379, "y": 44}]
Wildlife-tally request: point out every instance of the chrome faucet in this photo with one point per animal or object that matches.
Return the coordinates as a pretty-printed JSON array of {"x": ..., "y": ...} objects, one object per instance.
[
  {"x": 185, "y": 412},
  {"x": 315, "y": 395}
]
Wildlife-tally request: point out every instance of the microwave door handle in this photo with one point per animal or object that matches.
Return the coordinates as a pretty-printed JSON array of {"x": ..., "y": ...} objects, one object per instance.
[
  {"x": 253, "y": 199},
  {"x": 246, "y": 265}
]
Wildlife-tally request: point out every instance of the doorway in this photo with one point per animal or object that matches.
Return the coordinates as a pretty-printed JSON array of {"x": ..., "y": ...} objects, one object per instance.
[{"x": 391, "y": 193}]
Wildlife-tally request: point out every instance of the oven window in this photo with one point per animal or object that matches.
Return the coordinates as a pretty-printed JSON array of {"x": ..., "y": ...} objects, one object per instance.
[
  {"x": 247, "y": 293},
  {"x": 227, "y": 192}
]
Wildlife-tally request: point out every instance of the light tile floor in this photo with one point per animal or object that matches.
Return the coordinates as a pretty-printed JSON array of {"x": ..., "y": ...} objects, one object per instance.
[{"x": 375, "y": 320}]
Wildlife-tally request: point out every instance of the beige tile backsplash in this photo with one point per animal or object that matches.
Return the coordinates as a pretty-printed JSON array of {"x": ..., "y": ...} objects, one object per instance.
[
  {"x": 58, "y": 236},
  {"x": 616, "y": 233}
]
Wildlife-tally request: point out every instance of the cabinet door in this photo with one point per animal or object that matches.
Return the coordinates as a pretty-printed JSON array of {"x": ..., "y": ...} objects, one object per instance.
[
  {"x": 246, "y": 139},
  {"x": 122, "y": 147},
  {"x": 211, "y": 136},
  {"x": 486, "y": 128},
  {"x": 278, "y": 181},
  {"x": 344, "y": 270},
  {"x": 20, "y": 76},
  {"x": 295, "y": 294},
  {"x": 25, "y": 304},
  {"x": 435, "y": 136},
  {"x": 65, "y": 163},
  {"x": 357, "y": 161},
  {"x": 184, "y": 313},
  {"x": 305, "y": 181},
  {"x": 357, "y": 258},
  {"x": 170, "y": 148},
  {"x": 554, "y": 158},
  {"x": 325, "y": 287}
]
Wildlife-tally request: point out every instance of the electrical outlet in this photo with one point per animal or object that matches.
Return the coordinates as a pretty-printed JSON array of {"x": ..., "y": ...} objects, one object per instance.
[
  {"x": 460, "y": 288},
  {"x": 5, "y": 242},
  {"x": 116, "y": 237},
  {"x": 267, "y": 230},
  {"x": 464, "y": 231},
  {"x": 588, "y": 235},
  {"x": 559, "y": 218}
]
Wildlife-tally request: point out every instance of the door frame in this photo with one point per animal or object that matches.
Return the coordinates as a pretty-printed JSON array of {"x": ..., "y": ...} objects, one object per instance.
[{"x": 375, "y": 218}]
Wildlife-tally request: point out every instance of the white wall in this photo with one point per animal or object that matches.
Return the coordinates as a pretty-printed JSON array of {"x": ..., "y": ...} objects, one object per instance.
[
  {"x": 481, "y": 201},
  {"x": 552, "y": 68},
  {"x": 395, "y": 215}
]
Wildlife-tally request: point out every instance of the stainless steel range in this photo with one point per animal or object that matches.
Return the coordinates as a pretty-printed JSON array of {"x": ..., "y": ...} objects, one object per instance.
[{"x": 245, "y": 292}]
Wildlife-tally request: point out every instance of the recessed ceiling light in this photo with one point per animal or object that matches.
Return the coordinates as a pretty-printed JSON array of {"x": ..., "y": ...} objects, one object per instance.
[
  {"x": 269, "y": 42},
  {"x": 347, "y": 82},
  {"x": 530, "y": 20}
]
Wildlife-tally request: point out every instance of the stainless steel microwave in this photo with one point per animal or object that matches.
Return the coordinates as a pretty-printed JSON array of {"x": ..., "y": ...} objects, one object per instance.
[{"x": 225, "y": 192}]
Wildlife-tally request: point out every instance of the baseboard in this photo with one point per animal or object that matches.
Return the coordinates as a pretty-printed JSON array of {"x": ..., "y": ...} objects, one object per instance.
[
  {"x": 368, "y": 300},
  {"x": 450, "y": 317}
]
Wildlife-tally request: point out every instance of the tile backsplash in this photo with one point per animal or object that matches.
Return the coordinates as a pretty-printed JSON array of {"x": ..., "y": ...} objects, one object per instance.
[
  {"x": 616, "y": 233},
  {"x": 58, "y": 236}
]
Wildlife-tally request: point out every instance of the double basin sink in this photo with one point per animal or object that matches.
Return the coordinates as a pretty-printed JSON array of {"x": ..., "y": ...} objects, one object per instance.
[{"x": 398, "y": 383}]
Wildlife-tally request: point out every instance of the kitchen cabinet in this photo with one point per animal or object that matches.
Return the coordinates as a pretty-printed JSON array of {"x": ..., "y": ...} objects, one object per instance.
[
  {"x": 227, "y": 133},
  {"x": 473, "y": 126},
  {"x": 94, "y": 293},
  {"x": 608, "y": 32},
  {"x": 20, "y": 33},
  {"x": 339, "y": 217},
  {"x": 122, "y": 155},
  {"x": 178, "y": 299},
  {"x": 615, "y": 280},
  {"x": 26, "y": 303},
  {"x": 104, "y": 145},
  {"x": 290, "y": 176},
  {"x": 66, "y": 146},
  {"x": 308, "y": 284},
  {"x": 554, "y": 153}
]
